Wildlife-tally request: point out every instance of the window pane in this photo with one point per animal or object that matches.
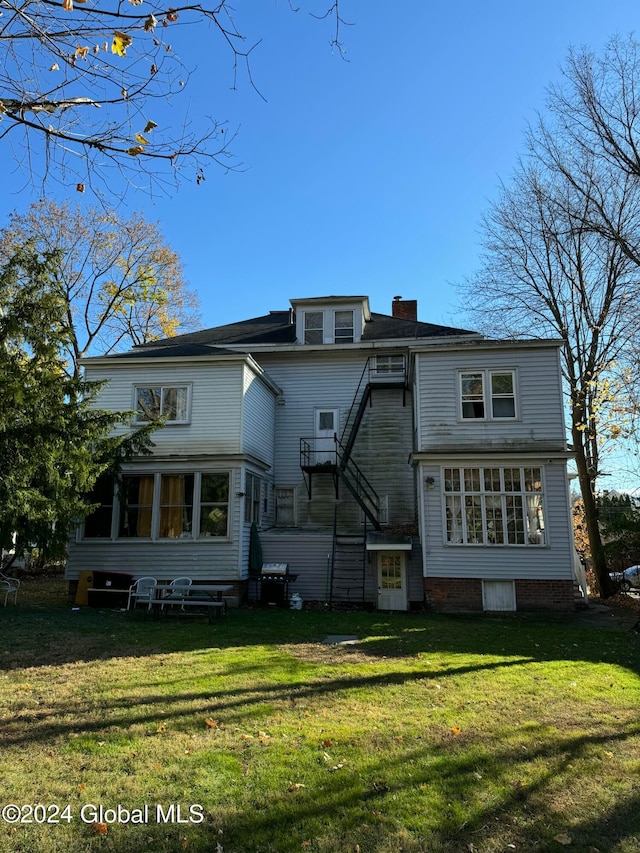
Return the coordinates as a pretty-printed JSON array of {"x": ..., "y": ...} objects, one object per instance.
[
  {"x": 454, "y": 519},
  {"x": 176, "y": 506},
  {"x": 174, "y": 404},
  {"x": 535, "y": 521},
  {"x": 313, "y": 327},
  {"x": 492, "y": 479},
  {"x": 493, "y": 510},
  {"x": 472, "y": 479},
  {"x": 502, "y": 383},
  {"x": 532, "y": 480},
  {"x": 503, "y": 408},
  {"x": 214, "y": 505},
  {"x": 512, "y": 480},
  {"x": 326, "y": 421},
  {"x": 136, "y": 503},
  {"x": 148, "y": 403},
  {"x": 472, "y": 395},
  {"x": 98, "y": 524},
  {"x": 473, "y": 516},
  {"x": 452, "y": 479},
  {"x": 285, "y": 506},
  {"x": 515, "y": 520}
]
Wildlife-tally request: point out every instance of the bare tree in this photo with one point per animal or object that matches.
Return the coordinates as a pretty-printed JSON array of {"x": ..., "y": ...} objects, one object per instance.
[
  {"x": 548, "y": 272},
  {"x": 121, "y": 283},
  {"x": 82, "y": 83}
]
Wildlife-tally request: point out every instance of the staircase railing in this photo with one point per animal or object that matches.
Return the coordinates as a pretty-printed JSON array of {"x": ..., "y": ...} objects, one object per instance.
[
  {"x": 359, "y": 486},
  {"x": 356, "y": 411}
]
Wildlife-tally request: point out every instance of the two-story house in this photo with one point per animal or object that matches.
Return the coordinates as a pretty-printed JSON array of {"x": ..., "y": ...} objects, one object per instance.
[{"x": 387, "y": 461}]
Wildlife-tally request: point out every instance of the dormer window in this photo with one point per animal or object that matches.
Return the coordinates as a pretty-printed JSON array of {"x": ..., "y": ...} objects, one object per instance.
[
  {"x": 343, "y": 327},
  {"x": 313, "y": 327}
]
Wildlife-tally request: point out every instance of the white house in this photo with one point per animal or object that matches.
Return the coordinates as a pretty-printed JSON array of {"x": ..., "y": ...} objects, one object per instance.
[{"x": 387, "y": 461}]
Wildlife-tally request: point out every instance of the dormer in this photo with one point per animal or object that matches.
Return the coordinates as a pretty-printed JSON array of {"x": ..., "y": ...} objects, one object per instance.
[{"x": 330, "y": 319}]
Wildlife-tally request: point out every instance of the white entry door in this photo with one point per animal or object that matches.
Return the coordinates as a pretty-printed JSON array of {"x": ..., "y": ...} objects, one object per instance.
[
  {"x": 392, "y": 581},
  {"x": 326, "y": 427}
]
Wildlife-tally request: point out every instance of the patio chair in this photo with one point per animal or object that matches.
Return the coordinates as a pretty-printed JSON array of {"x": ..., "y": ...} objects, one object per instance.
[
  {"x": 9, "y": 586},
  {"x": 142, "y": 592},
  {"x": 177, "y": 589}
]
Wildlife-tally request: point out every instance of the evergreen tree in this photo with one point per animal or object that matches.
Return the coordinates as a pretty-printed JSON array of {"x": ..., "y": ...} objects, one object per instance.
[{"x": 53, "y": 443}]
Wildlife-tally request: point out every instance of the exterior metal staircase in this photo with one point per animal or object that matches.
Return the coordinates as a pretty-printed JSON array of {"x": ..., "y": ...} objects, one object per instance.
[{"x": 348, "y": 562}]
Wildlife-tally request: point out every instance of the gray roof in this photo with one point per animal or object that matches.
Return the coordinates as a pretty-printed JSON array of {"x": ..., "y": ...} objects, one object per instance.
[{"x": 276, "y": 328}]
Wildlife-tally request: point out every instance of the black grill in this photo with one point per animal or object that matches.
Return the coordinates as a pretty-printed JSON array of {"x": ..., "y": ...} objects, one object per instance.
[{"x": 274, "y": 584}]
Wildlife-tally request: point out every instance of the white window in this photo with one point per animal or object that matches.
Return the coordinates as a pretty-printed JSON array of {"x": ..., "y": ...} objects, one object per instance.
[
  {"x": 488, "y": 395},
  {"x": 170, "y": 402},
  {"x": 494, "y": 506},
  {"x": 285, "y": 506},
  {"x": 313, "y": 327},
  {"x": 343, "y": 327},
  {"x": 252, "y": 497},
  {"x": 385, "y": 365},
  {"x": 161, "y": 506}
]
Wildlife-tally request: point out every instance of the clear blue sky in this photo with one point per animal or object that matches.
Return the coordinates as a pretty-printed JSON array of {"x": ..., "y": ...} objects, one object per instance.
[{"x": 367, "y": 175}]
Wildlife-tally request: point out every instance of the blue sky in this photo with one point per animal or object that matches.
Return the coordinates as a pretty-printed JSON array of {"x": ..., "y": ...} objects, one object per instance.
[{"x": 368, "y": 175}]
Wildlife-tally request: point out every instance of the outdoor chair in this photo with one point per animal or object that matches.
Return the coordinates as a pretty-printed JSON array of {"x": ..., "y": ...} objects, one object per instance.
[
  {"x": 177, "y": 589},
  {"x": 142, "y": 592},
  {"x": 9, "y": 586}
]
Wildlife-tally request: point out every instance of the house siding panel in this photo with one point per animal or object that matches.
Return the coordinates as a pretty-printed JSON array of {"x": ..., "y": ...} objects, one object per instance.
[
  {"x": 258, "y": 421},
  {"x": 539, "y": 396}
]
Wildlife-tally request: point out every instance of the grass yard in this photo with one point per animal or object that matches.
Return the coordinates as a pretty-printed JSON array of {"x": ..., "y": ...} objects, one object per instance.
[{"x": 433, "y": 734}]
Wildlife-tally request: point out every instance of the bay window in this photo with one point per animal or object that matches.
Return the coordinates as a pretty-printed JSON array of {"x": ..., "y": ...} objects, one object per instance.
[{"x": 494, "y": 506}]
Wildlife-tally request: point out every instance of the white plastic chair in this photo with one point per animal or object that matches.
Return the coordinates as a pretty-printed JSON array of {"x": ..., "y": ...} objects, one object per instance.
[
  {"x": 142, "y": 592},
  {"x": 9, "y": 586}
]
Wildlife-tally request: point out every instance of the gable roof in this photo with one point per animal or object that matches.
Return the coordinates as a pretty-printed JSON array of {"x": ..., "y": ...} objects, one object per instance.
[{"x": 277, "y": 327}]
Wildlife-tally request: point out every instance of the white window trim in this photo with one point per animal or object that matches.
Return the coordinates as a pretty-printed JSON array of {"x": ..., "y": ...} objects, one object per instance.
[
  {"x": 249, "y": 498},
  {"x": 502, "y": 493},
  {"x": 162, "y": 385},
  {"x": 487, "y": 396}
]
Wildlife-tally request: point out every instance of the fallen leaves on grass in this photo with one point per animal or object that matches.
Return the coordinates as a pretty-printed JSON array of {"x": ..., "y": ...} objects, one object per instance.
[
  {"x": 212, "y": 724},
  {"x": 563, "y": 839},
  {"x": 100, "y": 828}
]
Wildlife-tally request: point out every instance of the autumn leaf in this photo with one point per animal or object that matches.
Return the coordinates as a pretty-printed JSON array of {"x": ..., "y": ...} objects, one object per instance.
[
  {"x": 80, "y": 188},
  {"x": 456, "y": 730},
  {"x": 140, "y": 138},
  {"x": 296, "y": 786},
  {"x": 137, "y": 149},
  {"x": 212, "y": 724},
  {"x": 172, "y": 15},
  {"x": 121, "y": 41},
  {"x": 54, "y": 67},
  {"x": 100, "y": 828},
  {"x": 67, "y": 5},
  {"x": 563, "y": 839},
  {"x": 149, "y": 126},
  {"x": 150, "y": 24}
]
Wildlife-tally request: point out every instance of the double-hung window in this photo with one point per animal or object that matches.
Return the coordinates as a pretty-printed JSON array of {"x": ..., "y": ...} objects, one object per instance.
[
  {"x": 313, "y": 327},
  {"x": 343, "y": 327},
  {"x": 253, "y": 489},
  {"x": 488, "y": 395},
  {"x": 170, "y": 402},
  {"x": 494, "y": 506}
]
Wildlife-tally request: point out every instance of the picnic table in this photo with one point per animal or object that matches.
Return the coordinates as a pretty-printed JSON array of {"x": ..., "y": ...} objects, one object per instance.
[{"x": 207, "y": 597}]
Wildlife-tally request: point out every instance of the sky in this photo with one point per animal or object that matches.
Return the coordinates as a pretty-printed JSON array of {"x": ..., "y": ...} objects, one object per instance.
[{"x": 365, "y": 172}]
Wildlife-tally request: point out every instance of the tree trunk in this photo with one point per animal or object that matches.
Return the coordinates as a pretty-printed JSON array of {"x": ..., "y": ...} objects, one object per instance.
[{"x": 606, "y": 586}]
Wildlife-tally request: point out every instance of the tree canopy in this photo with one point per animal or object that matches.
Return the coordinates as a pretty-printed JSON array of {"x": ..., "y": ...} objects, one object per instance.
[
  {"x": 560, "y": 253},
  {"x": 83, "y": 85},
  {"x": 120, "y": 283},
  {"x": 53, "y": 442}
]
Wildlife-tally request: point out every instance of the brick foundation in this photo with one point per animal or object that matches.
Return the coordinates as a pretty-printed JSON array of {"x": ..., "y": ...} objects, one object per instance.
[{"x": 464, "y": 595}]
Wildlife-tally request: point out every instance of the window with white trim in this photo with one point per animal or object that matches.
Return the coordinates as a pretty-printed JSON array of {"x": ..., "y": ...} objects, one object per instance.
[
  {"x": 313, "y": 327},
  {"x": 343, "y": 327},
  {"x": 170, "y": 402},
  {"x": 494, "y": 506},
  {"x": 253, "y": 490},
  {"x": 285, "y": 506},
  {"x": 385, "y": 365},
  {"x": 488, "y": 394},
  {"x": 163, "y": 505}
]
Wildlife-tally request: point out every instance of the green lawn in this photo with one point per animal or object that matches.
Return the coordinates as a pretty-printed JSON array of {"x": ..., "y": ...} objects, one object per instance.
[{"x": 431, "y": 734}]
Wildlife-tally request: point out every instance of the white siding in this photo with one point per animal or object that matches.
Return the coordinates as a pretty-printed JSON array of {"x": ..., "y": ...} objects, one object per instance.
[
  {"x": 216, "y": 402},
  {"x": 539, "y": 398},
  {"x": 258, "y": 417}
]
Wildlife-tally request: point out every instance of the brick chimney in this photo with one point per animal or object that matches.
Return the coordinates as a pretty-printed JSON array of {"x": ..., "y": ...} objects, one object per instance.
[{"x": 405, "y": 309}]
